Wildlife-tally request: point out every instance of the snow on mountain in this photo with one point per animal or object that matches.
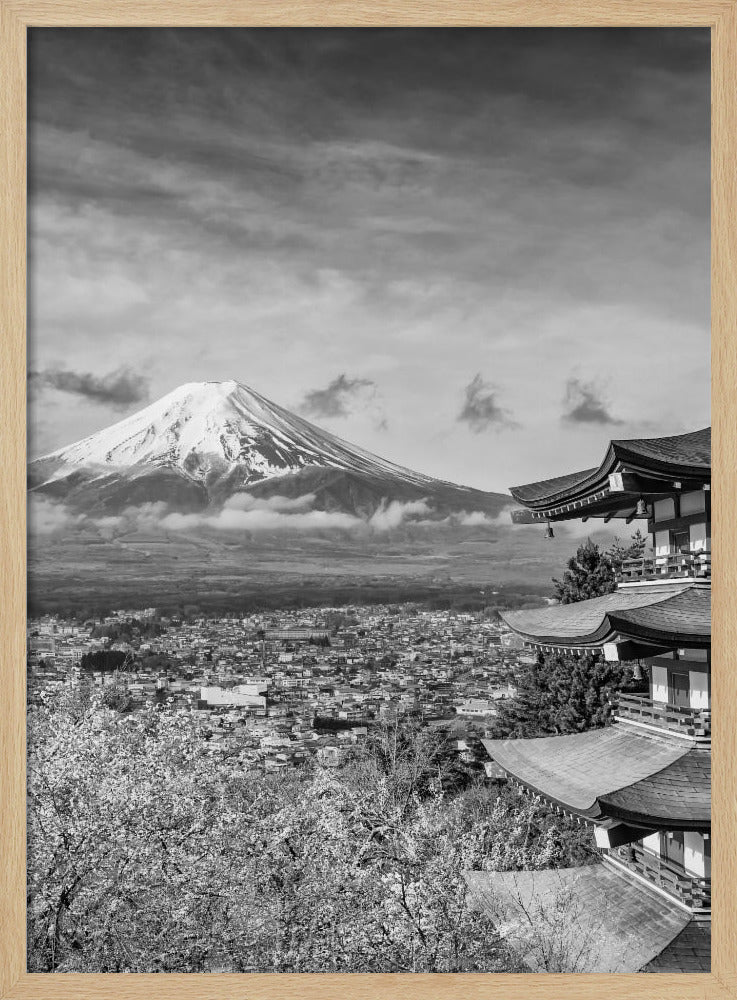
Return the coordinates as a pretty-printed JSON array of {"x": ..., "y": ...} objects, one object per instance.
[
  {"x": 206, "y": 427},
  {"x": 206, "y": 440}
]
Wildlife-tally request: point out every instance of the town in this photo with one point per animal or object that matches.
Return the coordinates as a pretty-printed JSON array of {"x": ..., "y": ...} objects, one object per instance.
[{"x": 282, "y": 688}]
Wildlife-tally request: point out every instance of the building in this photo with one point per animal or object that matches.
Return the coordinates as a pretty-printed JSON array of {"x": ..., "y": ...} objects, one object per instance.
[
  {"x": 643, "y": 782},
  {"x": 297, "y": 634},
  {"x": 243, "y": 696}
]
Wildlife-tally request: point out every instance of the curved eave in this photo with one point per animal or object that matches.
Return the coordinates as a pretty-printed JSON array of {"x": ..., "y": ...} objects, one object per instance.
[
  {"x": 689, "y": 951},
  {"x": 660, "y": 461},
  {"x": 671, "y": 617},
  {"x": 679, "y": 796},
  {"x": 659, "y": 783}
]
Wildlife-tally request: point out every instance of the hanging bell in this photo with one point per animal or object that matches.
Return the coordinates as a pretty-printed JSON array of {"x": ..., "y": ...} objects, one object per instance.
[
  {"x": 549, "y": 533},
  {"x": 641, "y": 509},
  {"x": 637, "y": 672}
]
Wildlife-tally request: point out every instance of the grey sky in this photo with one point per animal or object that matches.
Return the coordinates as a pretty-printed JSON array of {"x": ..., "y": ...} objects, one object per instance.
[{"x": 413, "y": 212}]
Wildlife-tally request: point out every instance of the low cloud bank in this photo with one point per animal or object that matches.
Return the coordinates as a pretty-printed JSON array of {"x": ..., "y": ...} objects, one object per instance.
[
  {"x": 46, "y": 516},
  {"x": 247, "y": 513}
]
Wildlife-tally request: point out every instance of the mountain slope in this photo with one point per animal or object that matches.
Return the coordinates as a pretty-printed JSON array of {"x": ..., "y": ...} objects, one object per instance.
[{"x": 205, "y": 441}]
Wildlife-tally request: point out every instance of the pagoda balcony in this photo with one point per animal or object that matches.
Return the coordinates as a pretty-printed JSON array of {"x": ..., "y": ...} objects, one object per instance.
[
  {"x": 673, "y": 566},
  {"x": 693, "y": 891},
  {"x": 692, "y": 722}
]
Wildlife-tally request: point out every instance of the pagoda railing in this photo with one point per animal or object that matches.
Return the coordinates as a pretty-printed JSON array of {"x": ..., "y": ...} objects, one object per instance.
[
  {"x": 693, "y": 891},
  {"x": 694, "y": 722},
  {"x": 671, "y": 566}
]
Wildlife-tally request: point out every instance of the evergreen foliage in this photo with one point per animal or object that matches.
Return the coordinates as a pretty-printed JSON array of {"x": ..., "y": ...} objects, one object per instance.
[
  {"x": 592, "y": 573},
  {"x": 103, "y": 659},
  {"x": 588, "y": 574},
  {"x": 561, "y": 694}
]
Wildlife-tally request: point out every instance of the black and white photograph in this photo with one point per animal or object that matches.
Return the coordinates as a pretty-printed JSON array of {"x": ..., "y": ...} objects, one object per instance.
[{"x": 369, "y": 500}]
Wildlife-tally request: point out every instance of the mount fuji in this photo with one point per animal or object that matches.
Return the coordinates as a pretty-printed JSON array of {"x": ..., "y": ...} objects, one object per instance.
[{"x": 203, "y": 442}]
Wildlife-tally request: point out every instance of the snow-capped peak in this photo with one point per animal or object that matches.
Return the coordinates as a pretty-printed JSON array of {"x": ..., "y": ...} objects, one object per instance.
[{"x": 209, "y": 430}]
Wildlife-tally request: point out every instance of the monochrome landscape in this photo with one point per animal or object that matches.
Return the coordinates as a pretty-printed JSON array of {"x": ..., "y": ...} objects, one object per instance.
[{"x": 304, "y": 662}]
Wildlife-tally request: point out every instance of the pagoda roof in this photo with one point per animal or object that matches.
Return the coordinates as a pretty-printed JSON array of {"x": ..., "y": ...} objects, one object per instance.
[
  {"x": 679, "y": 795},
  {"x": 612, "y": 923},
  {"x": 655, "y": 463},
  {"x": 664, "y": 615},
  {"x": 652, "y": 782},
  {"x": 689, "y": 951}
]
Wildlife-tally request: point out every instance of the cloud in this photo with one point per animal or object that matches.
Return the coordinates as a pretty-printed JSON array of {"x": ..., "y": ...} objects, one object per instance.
[
  {"x": 342, "y": 396},
  {"x": 118, "y": 389},
  {"x": 584, "y": 404},
  {"x": 391, "y": 515},
  {"x": 481, "y": 409},
  {"x": 244, "y": 512},
  {"x": 262, "y": 519},
  {"x": 241, "y": 512},
  {"x": 46, "y": 516},
  {"x": 284, "y": 505}
]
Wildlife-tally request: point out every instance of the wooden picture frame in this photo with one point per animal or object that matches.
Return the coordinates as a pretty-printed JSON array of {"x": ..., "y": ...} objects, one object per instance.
[{"x": 15, "y": 17}]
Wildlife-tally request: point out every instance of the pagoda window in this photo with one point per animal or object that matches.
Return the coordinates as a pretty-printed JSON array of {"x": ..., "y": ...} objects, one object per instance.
[
  {"x": 672, "y": 847},
  {"x": 700, "y": 693},
  {"x": 679, "y": 689},
  {"x": 662, "y": 543},
  {"x": 680, "y": 540},
  {"x": 693, "y": 503},
  {"x": 664, "y": 510},
  {"x": 697, "y": 854},
  {"x": 699, "y": 537},
  {"x": 683, "y": 681},
  {"x": 659, "y": 683},
  {"x": 652, "y": 843}
]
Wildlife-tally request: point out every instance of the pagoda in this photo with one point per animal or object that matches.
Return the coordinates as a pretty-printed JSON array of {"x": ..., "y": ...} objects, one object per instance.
[{"x": 642, "y": 782}]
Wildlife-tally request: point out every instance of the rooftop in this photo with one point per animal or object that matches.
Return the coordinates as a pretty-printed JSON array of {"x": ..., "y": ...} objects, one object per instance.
[
  {"x": 637, "y": 930},
  {"x": 653, "y": 463},
  {"x": 647, "y": 780},
  {"x": 674, "y": 615}
]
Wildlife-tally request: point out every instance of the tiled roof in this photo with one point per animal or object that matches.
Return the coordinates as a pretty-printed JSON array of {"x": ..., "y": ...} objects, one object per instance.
[
  {"x": 583, "y": 617},
  {"x": 593, "y": 916},
  {"x": 689, "y": 951},
  {"x": 680, "y": 611},
  {"x": 692, "y": 450},
  {"x": 551, "y": 487},
  {"x": 679, "y": 795},
  {"x": 685, "y": 455},
  {"x": 577, "y": 771},
  {"x": 684, "y": 614}
]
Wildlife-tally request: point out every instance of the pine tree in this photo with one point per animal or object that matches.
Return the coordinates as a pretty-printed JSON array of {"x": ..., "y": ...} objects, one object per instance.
[
  {"x": 561, "y": 694},
  {"x": 567, "y": 694},
  {"x": 589, "y": 573},
  {"x": 618, "y": 551}
]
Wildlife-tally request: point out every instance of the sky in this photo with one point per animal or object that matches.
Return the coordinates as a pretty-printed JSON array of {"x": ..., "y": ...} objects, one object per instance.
[{"x": 478, "y": 253}]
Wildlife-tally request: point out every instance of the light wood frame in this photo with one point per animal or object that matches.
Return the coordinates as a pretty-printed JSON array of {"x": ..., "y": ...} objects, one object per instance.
[{"x": 15, "y": 17}]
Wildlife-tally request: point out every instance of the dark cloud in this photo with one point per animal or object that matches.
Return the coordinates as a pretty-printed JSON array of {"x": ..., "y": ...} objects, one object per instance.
[
  {"x": 584, "y": 404},
  {"x": 338, "y": 399},
  {"x": 118, "y": 389},
  {"x": 481, "y": 409}
]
